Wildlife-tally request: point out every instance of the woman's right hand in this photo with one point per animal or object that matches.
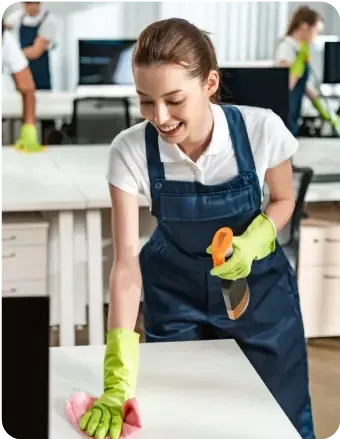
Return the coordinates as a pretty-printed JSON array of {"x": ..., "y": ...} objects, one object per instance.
[{"x": 105, "y": 418}]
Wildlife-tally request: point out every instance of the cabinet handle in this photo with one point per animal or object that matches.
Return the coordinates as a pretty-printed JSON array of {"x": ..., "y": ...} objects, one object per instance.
[
  {"x": 11, "y": 290},
  {"x": 10, "y": 238},
  {"x": 328, "y": 276},
  {"x": 332, "y": 240},
  {"x": 8, "y": 256}
]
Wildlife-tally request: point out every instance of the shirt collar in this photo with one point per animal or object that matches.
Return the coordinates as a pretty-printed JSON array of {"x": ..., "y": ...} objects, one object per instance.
[{"x": 170, "y": 153}]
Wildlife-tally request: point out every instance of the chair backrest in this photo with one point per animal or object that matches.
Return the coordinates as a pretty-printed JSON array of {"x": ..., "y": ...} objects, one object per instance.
[
  {"x": 305, "y": 176},
  {"x": 97, "y": 120},
  {"x": 302, "y": 179}
]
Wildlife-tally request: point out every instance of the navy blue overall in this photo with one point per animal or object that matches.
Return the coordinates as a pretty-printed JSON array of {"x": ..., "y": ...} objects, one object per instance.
[
  {"x": 40, "y": 67},
  {"x": 296, "y": 96},
  {"x": 183, "y": 302}
]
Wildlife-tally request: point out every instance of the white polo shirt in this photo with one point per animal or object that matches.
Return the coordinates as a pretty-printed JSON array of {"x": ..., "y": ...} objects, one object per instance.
[
  {"x": 47, "y": 30},
  {"x": 287, "y": 49},
  {"x": 270, "y": 140},
  {"x": 13, "y": 58}
]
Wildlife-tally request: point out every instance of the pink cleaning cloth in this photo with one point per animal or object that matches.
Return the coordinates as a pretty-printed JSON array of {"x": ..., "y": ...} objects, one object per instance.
[{"x": 80, "y": 403}]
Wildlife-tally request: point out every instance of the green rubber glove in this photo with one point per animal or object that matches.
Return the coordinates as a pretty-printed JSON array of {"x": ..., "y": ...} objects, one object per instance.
[
  {"x": 120, "y": 379},
  {"x": 299, "y": 64},
  {"x": 335, "y": 122},
  {"x": 28, "y": 140},
  {"x": 318, "y": 105},
  {"x": 324, "y": 114},
  {"x": 257, "y": 242}
]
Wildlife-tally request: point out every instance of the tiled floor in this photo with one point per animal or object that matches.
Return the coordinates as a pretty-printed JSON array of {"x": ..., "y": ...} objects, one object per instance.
[{"x": 324, "y": 367}]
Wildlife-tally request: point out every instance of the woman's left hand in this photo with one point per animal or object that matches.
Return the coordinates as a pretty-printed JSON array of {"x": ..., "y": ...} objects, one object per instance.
[
  {"x": 257, "y": 242},
  {"x": 238, "y": 266}
]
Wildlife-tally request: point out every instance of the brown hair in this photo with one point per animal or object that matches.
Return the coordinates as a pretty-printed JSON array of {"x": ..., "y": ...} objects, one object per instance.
[
  {"x": 302, "y": 15},
  {"x": 176, "y": 41}
]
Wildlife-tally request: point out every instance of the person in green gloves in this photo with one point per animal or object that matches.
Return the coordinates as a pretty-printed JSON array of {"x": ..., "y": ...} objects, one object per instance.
[
  {"x": 200, "y": 166},
  {"x": 293, "y": 52},
  {"x": 16, "y": 64}
]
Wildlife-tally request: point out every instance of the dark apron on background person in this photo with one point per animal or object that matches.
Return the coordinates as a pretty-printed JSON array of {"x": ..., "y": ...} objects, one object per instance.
[
  {"x": 295, "y": 102},
  {"x": 40, "y": 67},
  {"x": 183, "y": 302}
]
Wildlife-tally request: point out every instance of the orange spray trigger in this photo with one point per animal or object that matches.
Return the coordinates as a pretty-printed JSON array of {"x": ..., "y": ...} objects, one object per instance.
[{"x": 221, "y": 243}]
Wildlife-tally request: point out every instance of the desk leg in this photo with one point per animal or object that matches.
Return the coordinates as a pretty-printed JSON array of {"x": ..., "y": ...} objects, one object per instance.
[
  {"x": 67, "y": 332},
  {"x": 95, "y": 277}
]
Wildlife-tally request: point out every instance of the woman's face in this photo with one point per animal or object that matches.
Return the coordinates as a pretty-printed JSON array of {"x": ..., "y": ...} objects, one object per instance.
[
  {"x": 175, "y": 103},
  {"x": 311, "y": 32},
  {"x": 32, "y": 8}
]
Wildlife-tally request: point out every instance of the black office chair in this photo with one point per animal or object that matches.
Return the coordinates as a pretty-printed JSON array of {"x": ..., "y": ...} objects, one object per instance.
[
  {"x": 289, "y": 237},
  {"x": 95, "y": 120}
]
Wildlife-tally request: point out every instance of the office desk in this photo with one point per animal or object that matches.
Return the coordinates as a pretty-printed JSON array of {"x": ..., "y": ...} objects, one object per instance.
[
  {"x": 49, "y": 105},
  {"x": 33, "y": 183},
  {"x": 80, "y": 173},
  {"x": 323, "y": 156},
  {"x": 67, "y": 184},
  {"x": 187, "y": 390},
  {"x": 59, "y": 104}
]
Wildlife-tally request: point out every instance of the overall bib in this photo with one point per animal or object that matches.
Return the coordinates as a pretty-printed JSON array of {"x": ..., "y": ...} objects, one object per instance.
[
  {"x": 183, "y": 302},
  {"x": 296, "y": 96},
  {"x": 40, "y": 67}
]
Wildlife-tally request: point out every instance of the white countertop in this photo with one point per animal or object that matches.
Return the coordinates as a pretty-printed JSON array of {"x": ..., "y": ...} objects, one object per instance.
[
  {"x": 73, "y": 177},
  {"x": 322, "y": 155},
  {"x": 191, "y": 390},
  {"x": 59, "y": 104}
]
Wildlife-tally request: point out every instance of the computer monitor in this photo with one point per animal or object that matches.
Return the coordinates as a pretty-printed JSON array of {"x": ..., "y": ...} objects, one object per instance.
[
  {"x": 25, "y": 366},
  {"x": 331, "y": 68},
  {"x": 265, "y": 87},
  {"x": 105, "y": 62}
]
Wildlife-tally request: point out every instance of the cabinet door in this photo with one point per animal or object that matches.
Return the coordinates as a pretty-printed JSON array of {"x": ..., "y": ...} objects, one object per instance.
[{"x": 319, "y": 289}]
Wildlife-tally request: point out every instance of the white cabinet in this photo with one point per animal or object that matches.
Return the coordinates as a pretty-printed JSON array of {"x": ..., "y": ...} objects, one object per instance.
[
  {"x": 319, "y": 271},
  {"x": 24, "y": 255}
]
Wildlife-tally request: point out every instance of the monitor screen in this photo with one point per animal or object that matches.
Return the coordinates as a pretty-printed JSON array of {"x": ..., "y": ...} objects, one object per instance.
[
  {"x": 331, "y": 71},
  {"x": 105, "y": 62},
  {"x": 25, "y": 366},
  {"x": 265, "y": 87}
]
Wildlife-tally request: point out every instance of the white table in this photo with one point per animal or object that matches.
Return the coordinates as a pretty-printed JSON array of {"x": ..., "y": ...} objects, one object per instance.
[
  {"x": 59, "y": 104},
  {"x": 323, "y": 156},
  {"x": 188, "y": 390},
  {"x": 70, "y": 183},
  {"x": 30, "y": 183},
  {"x": 80, "y": 173}
]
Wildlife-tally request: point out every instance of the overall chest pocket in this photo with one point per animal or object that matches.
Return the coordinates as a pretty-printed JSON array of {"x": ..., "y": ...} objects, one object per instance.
[{"x": 206, "y": 207}]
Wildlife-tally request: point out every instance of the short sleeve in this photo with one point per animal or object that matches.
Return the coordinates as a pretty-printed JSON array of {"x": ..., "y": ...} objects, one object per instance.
[
  {"x": 13, "y": 19},
  {"x": 285, "y": 52},
  {"x": 281, "y": 144},
  {"x": 49, "y": 29},
  {"x": 119, "y": 172},
  {"x": 13, "y": 56}
]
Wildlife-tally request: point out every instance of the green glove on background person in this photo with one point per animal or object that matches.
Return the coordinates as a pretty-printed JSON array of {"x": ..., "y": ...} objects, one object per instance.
[
  {"x": 302, "y": 57},
  {"x": 120, "y": 380},
  {"x": 324, "y": 114},
  {"x": 257, "y": 242},
  {"x": 28, "y": 140}
]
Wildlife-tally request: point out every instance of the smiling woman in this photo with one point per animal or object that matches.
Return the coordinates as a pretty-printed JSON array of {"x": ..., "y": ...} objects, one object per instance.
[
  {"x": 202, "y": 167},
  {"x": 175, "y": 69}
]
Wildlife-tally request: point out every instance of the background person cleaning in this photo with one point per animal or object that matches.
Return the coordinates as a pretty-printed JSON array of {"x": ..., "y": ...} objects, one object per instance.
[
  {"x": 294, "y": 52},
  {"x": 15, "y": 63}
]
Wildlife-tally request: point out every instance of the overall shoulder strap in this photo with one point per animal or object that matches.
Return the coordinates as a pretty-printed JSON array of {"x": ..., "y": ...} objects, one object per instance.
[{"x": 239, "y": 139}]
